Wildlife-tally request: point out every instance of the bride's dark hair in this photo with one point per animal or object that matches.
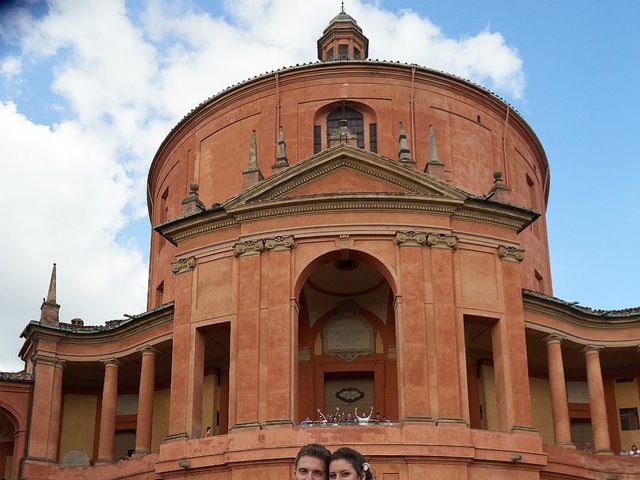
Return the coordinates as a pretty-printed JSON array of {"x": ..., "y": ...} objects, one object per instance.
[{"x": 356, "y": 460}]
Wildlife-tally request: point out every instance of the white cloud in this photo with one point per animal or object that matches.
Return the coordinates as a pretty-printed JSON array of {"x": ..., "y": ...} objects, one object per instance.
[
  {"x": 123, "y": 79},
  {"x": 10, "y": 66}
]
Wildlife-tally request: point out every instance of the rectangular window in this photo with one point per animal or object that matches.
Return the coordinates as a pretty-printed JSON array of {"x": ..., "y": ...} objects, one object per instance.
[
  {"x": 629, "y": 419},
  {"x": 317, "y": 139},
  {"x": 373, "y": 137},
  {"x": 343, "y": 52},
  {"x": 356, "y": 54}
]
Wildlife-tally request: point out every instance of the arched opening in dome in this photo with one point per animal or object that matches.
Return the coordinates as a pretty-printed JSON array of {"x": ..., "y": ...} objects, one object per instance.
[{"x": 346, "y": 339}]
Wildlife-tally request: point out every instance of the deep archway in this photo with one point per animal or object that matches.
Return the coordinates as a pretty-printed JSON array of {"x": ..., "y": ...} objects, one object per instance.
[
  {"x": 8, "y": 430},
  {"x": 346, "y": 337}
]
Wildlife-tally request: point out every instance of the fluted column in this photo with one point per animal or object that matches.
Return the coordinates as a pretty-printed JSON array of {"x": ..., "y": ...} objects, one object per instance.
[
  {"x": 559, "y": 404},
  {"x": 597, "y": 405},
  {"x": 108, "y": 412},
  {"x": 145, "y": 402}
]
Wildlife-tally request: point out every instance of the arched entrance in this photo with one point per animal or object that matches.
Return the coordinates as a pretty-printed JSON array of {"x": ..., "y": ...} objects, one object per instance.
[
  {"x": 346, "y": 338},
  {"x": 7, "y": 436}
]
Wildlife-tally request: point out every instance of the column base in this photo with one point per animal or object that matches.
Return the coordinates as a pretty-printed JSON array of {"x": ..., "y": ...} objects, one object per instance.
[
  {"x": 245, "y": 425},
  {"x": 140, "y": 453},
  {"x": 174, "y": 437},
  {"x": 524, "y": 428},
  {"x": 604, "y": 451},
  {"x": 418, "y": 419},
  {"x": 104, "y": 461},
  {"x": 567, "y": 444},
  {"x": 284, "y": 421},
  {"x": 452, "y": 421}
]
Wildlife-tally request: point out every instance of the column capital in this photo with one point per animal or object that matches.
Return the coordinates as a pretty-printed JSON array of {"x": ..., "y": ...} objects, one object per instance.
[
  {"x": 42, "y": 359},
  {"x": 591, "y": 349},
  {"x": 248, "y": 247},
  {"x": 553, "y": 338},
  {"x": 147, "y": 350},
  {"x": 183, "y": 265},
  {"x": 111, "y": 362},
  {"x": 413, "y": 239},
  {"x": 442, "y": 240},
  {"x": 279, "y": 243},
  {"x": 510, "y": 254}
]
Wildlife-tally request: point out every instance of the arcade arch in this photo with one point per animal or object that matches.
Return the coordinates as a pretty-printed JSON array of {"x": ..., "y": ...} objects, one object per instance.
[{"x": 346, "y": 337}]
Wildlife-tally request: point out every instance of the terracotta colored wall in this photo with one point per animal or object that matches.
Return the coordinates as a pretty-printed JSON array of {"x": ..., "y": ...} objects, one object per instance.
[
  {"x": 627, "y": 397},
  {"x": 208, "y": 402},
  {"x": 488, "y": 398},
  {"x": 541, "y": 408},
  {"x": 160, "y": 418},
  {"x": 78, "y": 424}
]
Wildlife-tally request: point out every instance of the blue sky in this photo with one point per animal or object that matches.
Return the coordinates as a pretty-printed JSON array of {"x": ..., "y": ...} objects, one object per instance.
[{"x": 89, "y": 89}]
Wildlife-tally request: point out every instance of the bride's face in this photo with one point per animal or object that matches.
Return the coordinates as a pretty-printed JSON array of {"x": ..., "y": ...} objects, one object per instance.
[{"x": 343, "y": 470}]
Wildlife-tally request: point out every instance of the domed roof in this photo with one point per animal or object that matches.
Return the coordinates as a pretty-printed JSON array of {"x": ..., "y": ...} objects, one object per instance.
[{"x": 343, "y": 17}]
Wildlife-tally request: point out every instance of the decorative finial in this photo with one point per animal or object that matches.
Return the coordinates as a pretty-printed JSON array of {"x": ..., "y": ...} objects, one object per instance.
[
  {"x": 434, "y": 166},
  {"x": 404, "y": 155},
  {"x": 49, "y": 311},
  {"x": 281, "y": 158},
  {"x": 51, "y": 294},
  {"x": 192, "y": 203},
  {"x": 341, "y": 7},
  {"x": 252, "y": 175}
]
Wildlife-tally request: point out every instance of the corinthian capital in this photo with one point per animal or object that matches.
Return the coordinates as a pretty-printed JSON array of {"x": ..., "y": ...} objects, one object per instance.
[
  {"x": 183, "y": 265},
  {"x": 279, "y": 243},
  {"x": 510, "y": 254},
  {"x": 248, "y": 247},
  {"x": 411, "y": 238},
  {"x": 442, "y": 240}
]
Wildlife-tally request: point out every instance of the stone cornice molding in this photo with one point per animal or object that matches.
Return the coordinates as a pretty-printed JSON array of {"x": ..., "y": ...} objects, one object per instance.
[
  {"x": 569, "y": 313},
  {"x": 248, "y": 247},
  {"x": 411, "y": 239},
  {"x": 510, "y": 254},
  {"x": 279, "y": 243},
  {"x": 442, "y": 240},
  {"x": 183, "y": 265}
]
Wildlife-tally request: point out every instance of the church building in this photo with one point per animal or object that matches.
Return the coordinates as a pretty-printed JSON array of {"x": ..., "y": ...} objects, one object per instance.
[{"x": 342, "y": 234}]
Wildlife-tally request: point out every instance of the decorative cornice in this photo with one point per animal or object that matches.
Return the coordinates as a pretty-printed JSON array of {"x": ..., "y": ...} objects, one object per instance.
[
  {"x": 248, "y": 247},
  {"x": 279, "y": 243},
  {"x": 183, "y": 265},
  {"x": 414, "y": 239},
  {"x": 510, "y": 254},
  {"x": 442, "y": 240}
]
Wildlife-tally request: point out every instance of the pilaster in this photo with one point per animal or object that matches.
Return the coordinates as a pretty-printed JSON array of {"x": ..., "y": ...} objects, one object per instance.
[
  {"x": 413, "y": 366},
  {"x": 510, "y": 351},
  {"x": 181, "y": 352}
]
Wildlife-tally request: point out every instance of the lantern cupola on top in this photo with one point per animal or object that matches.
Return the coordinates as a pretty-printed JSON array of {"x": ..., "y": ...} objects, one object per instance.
[{"x": 343, "y": 40}]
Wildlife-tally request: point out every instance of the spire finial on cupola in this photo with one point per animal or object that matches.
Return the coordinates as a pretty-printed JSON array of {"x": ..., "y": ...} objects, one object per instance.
[
  {"x": 50, "y": 310},
  {"x": 281, "y": 159},
  {"x": 252, "y": 175},
  {"x": 434, "y": 165},
  {"x": 404, "y": 154}
]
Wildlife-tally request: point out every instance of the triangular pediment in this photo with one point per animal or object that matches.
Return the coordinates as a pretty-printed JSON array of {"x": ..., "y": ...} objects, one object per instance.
[{"x": 346, "y": 170}]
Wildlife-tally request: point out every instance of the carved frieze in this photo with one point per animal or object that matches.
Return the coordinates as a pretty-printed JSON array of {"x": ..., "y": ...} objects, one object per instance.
[
  {"x": 411, "y": 238},
  {"x": 248, "y": 247},
  {"x": 279, "y": 243},
  {"x": 442, "y": 240},
  {"x": 183, "y": 265},
  {"x": 510, "y": 254}
]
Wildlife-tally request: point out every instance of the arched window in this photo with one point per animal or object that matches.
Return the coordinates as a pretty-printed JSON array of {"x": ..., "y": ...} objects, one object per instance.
[{"x": 347, "y": 118}]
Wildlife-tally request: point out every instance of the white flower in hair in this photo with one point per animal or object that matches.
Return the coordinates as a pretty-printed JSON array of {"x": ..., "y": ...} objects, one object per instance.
[{"x": 365, "y": 467}]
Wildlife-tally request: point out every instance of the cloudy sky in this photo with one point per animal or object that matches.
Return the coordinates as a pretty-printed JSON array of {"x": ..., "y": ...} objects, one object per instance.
[{"x": 88, "y": 90}]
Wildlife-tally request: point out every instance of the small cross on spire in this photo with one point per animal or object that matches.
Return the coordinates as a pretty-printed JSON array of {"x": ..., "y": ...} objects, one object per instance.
[{"x": 341, "y": 7}]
